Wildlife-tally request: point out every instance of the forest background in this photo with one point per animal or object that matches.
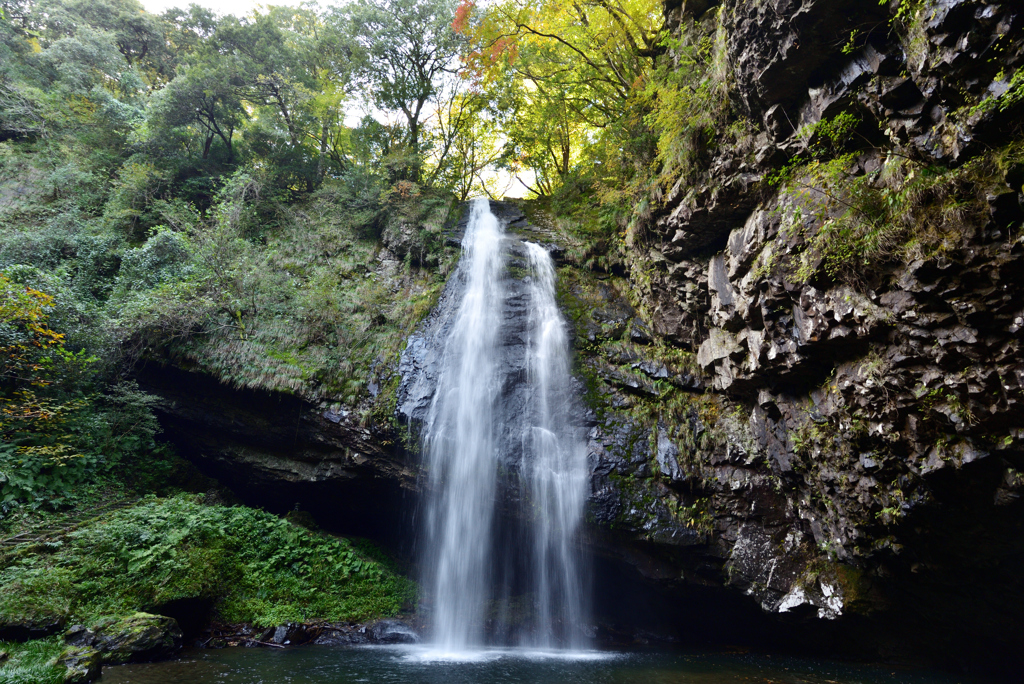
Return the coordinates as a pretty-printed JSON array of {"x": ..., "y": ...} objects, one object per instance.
[
  {"x": 188, "y": 182},
  {"x": 190, "y": 188}
]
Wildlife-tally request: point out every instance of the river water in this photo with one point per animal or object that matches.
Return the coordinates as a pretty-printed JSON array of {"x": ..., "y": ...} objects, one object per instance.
[{"x": 419, "y": 665}]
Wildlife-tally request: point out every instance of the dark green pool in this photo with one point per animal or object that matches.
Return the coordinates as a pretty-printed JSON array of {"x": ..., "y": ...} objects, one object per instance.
[{"x": 381, "y": 664}]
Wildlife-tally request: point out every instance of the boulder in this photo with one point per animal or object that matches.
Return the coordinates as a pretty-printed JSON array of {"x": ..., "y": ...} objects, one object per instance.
[
  {"x": 392, "y": 632},
  {"x": 25, "y": 627},
  {"x": 288, "y": 634},
  {"x": 137, "y": 638}
]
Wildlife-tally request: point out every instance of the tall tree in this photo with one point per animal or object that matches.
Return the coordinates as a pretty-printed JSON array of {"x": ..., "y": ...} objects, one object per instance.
[
  {"x": 402, "y": 50},
  {"x": 201, "y": 96}
]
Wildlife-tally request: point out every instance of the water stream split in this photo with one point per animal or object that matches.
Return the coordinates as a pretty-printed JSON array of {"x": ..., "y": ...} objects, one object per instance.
[{"x": 462, "y": 440}]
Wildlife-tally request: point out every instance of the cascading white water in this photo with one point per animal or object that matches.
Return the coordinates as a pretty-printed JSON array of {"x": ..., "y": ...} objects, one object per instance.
[
  {"x": 461, "y": 444},
  {"x": 557, "y": 464}
]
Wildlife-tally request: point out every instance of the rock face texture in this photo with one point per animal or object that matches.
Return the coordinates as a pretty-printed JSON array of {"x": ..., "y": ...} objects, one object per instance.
[
  {"x": 285, "y": 452},
  {"x": 825, "y": 410}
]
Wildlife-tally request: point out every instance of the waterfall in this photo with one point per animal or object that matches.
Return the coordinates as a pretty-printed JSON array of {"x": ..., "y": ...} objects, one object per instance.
[
  {"x": 557, "y": 463},
  {"x": 463, "y": 446},
  {"x": 460, "y": 442}
]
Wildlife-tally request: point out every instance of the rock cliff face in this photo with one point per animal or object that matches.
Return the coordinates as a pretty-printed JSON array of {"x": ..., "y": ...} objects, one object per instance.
[
  {"x": 830, "y": 426},
  {"x": 282, "y": 451}
]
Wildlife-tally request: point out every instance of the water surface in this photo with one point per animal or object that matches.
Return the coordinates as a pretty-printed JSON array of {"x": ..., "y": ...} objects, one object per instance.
[{"x": 420, "y": 665}]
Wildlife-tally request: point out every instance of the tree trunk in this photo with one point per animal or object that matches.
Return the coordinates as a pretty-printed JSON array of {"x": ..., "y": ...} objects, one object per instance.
[{"x": 414, "y": 146}]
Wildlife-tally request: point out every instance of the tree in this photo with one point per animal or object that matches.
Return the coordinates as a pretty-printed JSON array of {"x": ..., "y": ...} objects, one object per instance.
[
  {"x": 201, "y": 95},
  {"x": 293, "y": 68},
  {"x": 140, "y": 37},
  {"x": 27, "y": 342},
  {"x": 579, "y": 69},
  {"x": 466, "y": 141},
  {"x": 402, "y": 49}
]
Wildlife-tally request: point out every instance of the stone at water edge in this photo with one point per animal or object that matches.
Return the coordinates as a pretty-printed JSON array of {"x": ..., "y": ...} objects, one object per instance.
[
  {"x": 289, "y": 634},
  {"x": 388, "y": 631},
  {"x": 83, "y": 664},
  {"x": 138, "y": 638}
]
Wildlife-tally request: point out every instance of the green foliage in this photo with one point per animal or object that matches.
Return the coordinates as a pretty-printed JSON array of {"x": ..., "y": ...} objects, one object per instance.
[
  {"x": 254, "y": 566},
  {"x": 284, "y": 297},
  {"x": 61, "y": 436},
  {"x": 32, "y": 662},
  {"x": 55, "y": 451},
  {"x": 905, "y": 9},
  {"x": 690, "y": 104},
  {"x": 1012, "y": 96},
  {"x": 401, "y": 49}
]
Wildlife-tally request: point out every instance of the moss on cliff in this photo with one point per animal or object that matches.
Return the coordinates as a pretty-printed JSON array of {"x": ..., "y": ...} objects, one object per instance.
[
  {"x": 850, "y": 217},
  {"x": 316, "y": 308}
]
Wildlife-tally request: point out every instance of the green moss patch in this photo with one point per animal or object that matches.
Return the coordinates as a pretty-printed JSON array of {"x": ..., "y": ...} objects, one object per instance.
[{"x": 252, "y": 566}]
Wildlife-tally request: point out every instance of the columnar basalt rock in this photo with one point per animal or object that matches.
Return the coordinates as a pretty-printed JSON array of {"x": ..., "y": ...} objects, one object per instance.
[{"x": 849, "y": 414}]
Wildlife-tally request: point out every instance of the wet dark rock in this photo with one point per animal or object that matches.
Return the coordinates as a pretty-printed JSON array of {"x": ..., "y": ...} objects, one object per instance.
[
  {"x": 25, "y": 627},
  {"x": 83, "y": 663},
  {"x": 288, "y": 634},
  {"x": 277, "y": 450},
  {"x": 847, "y": 419},
  {"x": 138, "y": 638},
  {"x": 392, "y": 632},
  {"x": 387, "y": 631}
]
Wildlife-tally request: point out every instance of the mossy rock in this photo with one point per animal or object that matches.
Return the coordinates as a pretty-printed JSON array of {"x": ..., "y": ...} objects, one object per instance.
[
  {"x": 83, "y": 664},
  {"x": 859, "y": 594},
  {"x": 34, "y": 624},
  {"x": 35, "y": 605},
  {"x": 137, "y": 638}
]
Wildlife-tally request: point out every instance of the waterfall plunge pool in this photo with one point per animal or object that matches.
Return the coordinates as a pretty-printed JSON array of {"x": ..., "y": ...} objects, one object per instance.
[{"x": 422, "y": 665}]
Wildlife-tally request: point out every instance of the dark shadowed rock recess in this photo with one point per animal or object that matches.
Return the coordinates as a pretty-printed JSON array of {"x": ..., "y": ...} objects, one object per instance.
[{"x": 783, "y": 453}]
